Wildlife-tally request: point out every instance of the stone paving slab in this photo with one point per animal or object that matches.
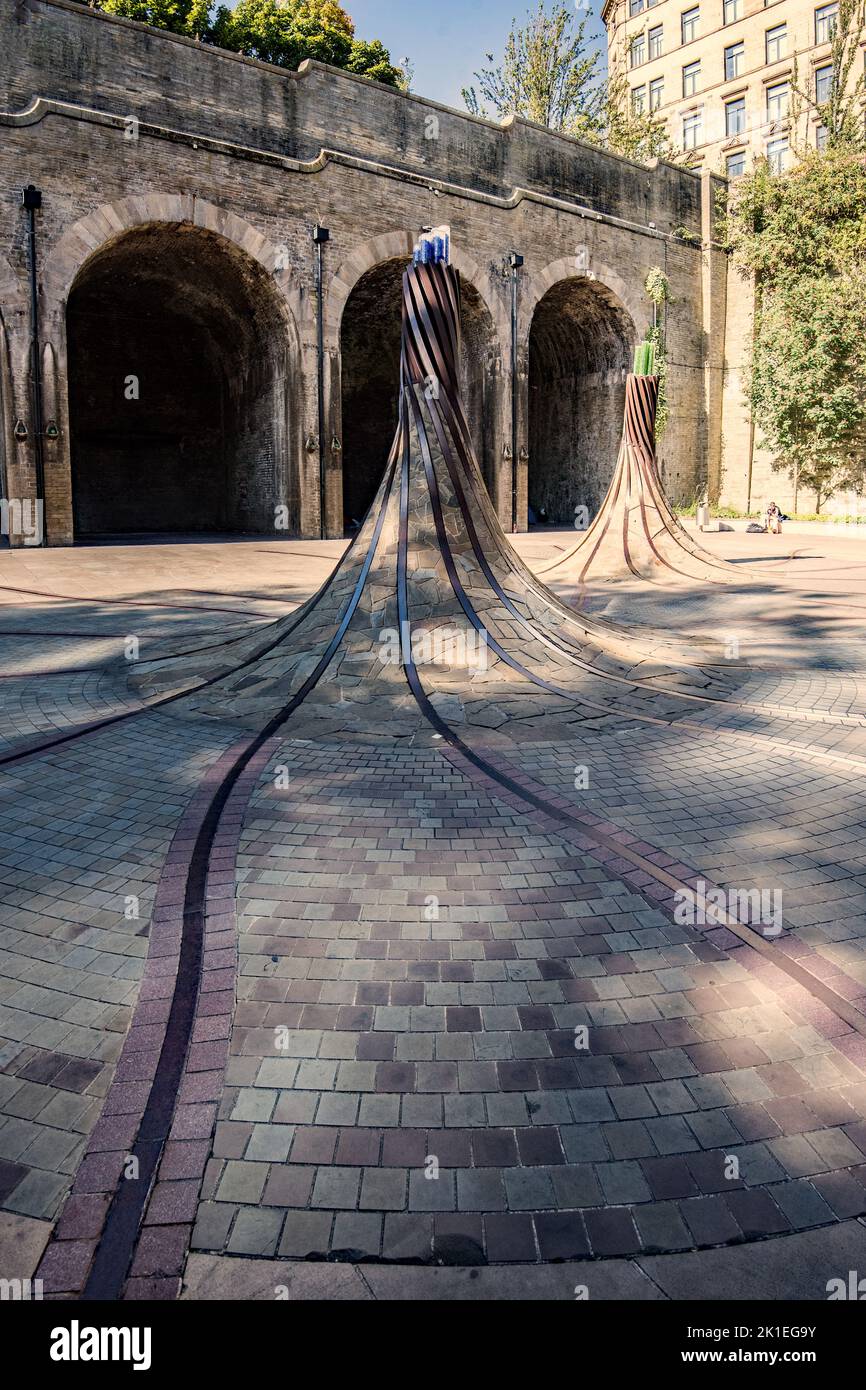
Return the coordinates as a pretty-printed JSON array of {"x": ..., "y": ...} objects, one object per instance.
[{"x": 793, "y": 1268}]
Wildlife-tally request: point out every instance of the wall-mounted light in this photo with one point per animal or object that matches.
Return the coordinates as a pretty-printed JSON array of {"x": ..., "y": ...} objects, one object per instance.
[
  {"x": 336, "y": 446},
  {"x": 20, "y": 429},
  {"x": 51, "y": 430},
  {"x": 311, "y": 444}
]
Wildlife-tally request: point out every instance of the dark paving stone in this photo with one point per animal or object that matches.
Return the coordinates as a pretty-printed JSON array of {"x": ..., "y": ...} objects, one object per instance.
[
  {"x": 539, "y": 1146},
  {"x": 710, "y": 1220},
  {"x": 561, "y": 1235},
  {"x": 407, "y": 1237},
  {"x": 669, "y": 1177},
  {"x": 757, "y": 1214},
  {"x": 10, "y": 1176},
  {"x": 509, "y": 1237},
  {"x": 612, "y": 1232},
  {"x": 458, "y": 1240},
  {"x": 494, "y": 1148},
  {"x": 802, "y": 1203},
  {"x": 661, "y": 1227}
]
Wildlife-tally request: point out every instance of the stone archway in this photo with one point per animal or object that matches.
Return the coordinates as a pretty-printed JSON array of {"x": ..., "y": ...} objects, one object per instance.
[
  {"x": 368, "y": 334},
  {"x": 581, "y": 339},
  {"x": 179, "y": 366}
]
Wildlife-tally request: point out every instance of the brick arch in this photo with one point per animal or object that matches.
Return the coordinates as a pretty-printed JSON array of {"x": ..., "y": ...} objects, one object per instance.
[
  {"x": 388, "y": 247},
  {"x": 106, "y": 224},
  {"x": 565, "y": 268}
]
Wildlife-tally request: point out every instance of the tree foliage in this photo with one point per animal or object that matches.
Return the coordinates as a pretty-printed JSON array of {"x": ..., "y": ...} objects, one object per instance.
[
  {"x": 548, "y": 74},
  {"x": 552, "y": 74},
  {"x": 802, "y": 235},
  {"x": 841, "y": 114},
  {"x": 284, "y": 32},
  {"x": 808, "y": 382}
]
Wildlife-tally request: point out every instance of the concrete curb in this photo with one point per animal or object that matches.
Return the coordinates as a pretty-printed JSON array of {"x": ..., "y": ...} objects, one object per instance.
[{"x": 795, "y": 1267}]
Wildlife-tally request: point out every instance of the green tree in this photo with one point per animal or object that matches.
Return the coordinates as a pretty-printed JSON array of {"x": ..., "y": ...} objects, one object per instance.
[
  {"x": 641, "y": 135},
  {"x": 551, "y": 73},
  {"x": 284, "y": 32},
  {"x": 802, "y": 236},
  {"x": 841, "y": 114},
  {"x": 190, "y": 17},
  {"x": 808, "y": 379},
  {"x": 548, "y": 73}
]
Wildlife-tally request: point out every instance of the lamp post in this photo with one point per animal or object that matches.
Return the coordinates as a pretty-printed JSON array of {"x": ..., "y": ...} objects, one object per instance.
[
  {"x": 320, "y": 236},
  {"x": 515, "y": 261},
  {"x": 31, "y": 201}
]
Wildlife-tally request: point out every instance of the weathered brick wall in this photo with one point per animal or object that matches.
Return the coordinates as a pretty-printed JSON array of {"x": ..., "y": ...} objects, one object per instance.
[{"x": 217, "y": 149}]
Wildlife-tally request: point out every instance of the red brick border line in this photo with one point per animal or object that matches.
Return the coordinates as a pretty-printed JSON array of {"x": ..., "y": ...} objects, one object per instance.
[
  {"x": 168, "y": 1219},
  {"x": 657, "y": 876},
  {"x": 101, "y": 1182}
]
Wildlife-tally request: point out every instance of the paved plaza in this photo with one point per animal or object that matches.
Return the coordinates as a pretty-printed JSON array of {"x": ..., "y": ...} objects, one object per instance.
[{"x": 329, "y": 1002}]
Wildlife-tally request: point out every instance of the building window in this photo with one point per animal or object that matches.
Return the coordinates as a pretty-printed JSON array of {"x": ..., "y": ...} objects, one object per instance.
[
  {"x": 823, "y": 84},
  {"x": 821, "y": 137},
  {"x": 651, "y": 4},
  {"x": 734, "y": 60},
  {"x": 655, "y": 41},
  {"x": 777, "y": 154},
  {"x": 689, "y": 24},
  {"x": 657, "y": 93},
  {"x": 691, "y": 73},
  {"x": 776, "y": 42},
  {"x": 735, "y": 116},
  {"x": 777, "y": 102},
  {"x": 638, "y": 100},
  {"x": 826, "y": 17},
  {"x": 635, "y": 6},
  {"x": 638, "y": 51},
  {"x": 733, "y": 9},
  {"x": 692, "y": 131},
  {"x": 736, "y": 165}
]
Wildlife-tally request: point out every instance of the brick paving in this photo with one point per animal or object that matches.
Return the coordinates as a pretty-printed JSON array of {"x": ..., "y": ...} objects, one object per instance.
[{"x": 391, "y": 1072}]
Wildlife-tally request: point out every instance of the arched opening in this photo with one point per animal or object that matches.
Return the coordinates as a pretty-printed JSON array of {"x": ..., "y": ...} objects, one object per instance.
[
  {"x": 178, "y": 387},
  {"x": 580, "y": 346},
  {"x": 370, "y": 379}
]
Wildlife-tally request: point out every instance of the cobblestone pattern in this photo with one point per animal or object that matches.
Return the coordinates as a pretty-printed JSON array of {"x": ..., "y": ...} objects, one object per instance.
[{"x": 408, "y": 1039}]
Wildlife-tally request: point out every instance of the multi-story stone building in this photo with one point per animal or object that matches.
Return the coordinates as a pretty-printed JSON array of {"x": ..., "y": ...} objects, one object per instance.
[{"x": 726, "y": 74}]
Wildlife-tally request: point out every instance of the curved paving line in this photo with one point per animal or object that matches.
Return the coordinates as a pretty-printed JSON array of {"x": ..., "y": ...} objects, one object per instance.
[
  {"x": 835, "y": 1002},
  {"x": 123, "y": 1220},
  {"x": 34, "y": 750},
  {"x": 129, "y": 602}
]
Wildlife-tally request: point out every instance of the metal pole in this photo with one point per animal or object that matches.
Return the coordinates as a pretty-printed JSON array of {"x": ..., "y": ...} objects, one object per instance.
[
  {"x": 320, "y": 236},
  {"x": 31, "y": 199},
  {"x": 515, "y": 261}
]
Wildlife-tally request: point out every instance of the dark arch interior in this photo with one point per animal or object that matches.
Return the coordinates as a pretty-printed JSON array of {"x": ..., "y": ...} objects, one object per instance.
[
  {"x": 580, "y": 346},
  {"x": 196, "y": 440},
  {"x": 370, "y": 353}
]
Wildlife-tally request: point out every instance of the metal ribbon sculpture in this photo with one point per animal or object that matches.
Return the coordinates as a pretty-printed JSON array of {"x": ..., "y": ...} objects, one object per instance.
[
  {"x": 431, "y": 569},
  {"x": 635, "y": 534}
]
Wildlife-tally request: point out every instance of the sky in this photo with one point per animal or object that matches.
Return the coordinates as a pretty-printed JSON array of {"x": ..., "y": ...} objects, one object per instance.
[{"x": 447, "y": 40}]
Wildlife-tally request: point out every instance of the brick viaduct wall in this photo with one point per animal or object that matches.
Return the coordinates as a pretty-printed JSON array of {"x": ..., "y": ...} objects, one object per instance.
[{"x": 250, "y": 157}]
